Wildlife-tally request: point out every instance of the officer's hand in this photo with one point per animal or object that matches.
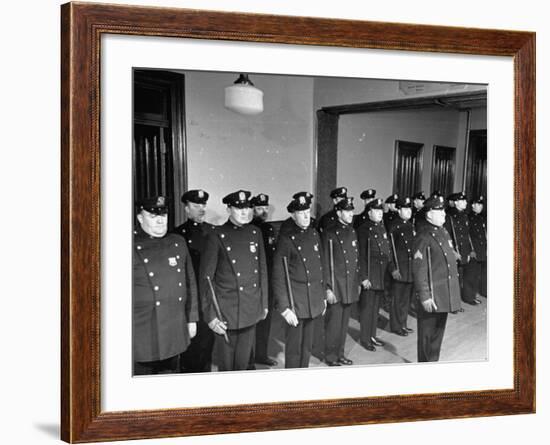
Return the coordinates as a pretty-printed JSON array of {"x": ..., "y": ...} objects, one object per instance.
[
  {"x": 473, "y": 254},
  {"x": 265, "y": 314},
  {"x": 396, "y": 275},
  {"x": 219, "y": 327},
  {"x": 290, "y": 317},
  {"x": 325, "y": 309},
  {"x": 192, "y": 328},
  {"x": 458, "y": 256},
  {"x": 331, "y": 298},
  {"x": 366, "y": 284},
  {"x": 429, "y": 305}
]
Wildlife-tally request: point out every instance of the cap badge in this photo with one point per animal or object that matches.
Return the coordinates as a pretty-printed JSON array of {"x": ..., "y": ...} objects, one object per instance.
[
  {"x": 241, "y": 196},
  {"x": 262, "y": 197},
  {"x": 172, "y": 261},
  {"x": 160, "y": 201},
  {"x": 201, "y": 194},
  {"x": 344, "y": 190},
  {"x": 302, "y": 200}
]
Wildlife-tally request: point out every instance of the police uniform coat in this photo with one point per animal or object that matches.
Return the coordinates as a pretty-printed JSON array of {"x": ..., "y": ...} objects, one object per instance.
[
  {"x": 234, "y": 259},
  {"x": 304, "y": 253},
  {"x": 389, "y": 217},
  {"x": 478, "y": 235},
  {"x": 268, "y": 235},
  {"x": 459, "y": 221},
  {"x": 164, "y": 297},
  {"x": 195, "y": 235},
  {"x": 328, "y": 219},
  {"x": 403, "y": 236},
  {"x": 446, "y": 289},
  {"x": 360, "y": 219},
  {"x": 345, "y": 247},
  {"x": 373, "y": 267}
]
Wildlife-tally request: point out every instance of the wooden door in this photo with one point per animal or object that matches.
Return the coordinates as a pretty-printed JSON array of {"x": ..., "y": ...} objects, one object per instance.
[
  {"x": 443, "y": 169},
  {"x": 407, "y": 172},
  {"x": 476, "y": 167}
]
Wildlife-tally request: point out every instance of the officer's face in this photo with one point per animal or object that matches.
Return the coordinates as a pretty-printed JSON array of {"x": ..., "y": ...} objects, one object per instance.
[
  {"x": 261, "y": 212},
  {"x": 461, "y": 204},
  {"x": 302, "y": 218},
  {"x": 405, "y": 213},
  {"x": 477, "y": 207},
  {"x": 376, "y": 215},
  {"x": 195, "y": 212},
  {"x": 239, "y": 216},
  {"x": 436, "y": 217},
  {"x": 418, "y": 203},
  {"x": 152, "y": 224},
  {"x": 345, "y": 216}
]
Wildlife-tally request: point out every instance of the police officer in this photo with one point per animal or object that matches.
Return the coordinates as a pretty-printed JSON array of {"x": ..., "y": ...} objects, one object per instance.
[
  {"x": 260, "y": 206},
  {"x": 402, "y": 238},
  {"x": 367, "y": 196},
  {"x": 165, "y": 307},
  {"x": 420, "y": 216},
  {"x": 342, "y": 253},
  {"x": 458, "y": 226},
  {"x": 435, "y": 277},
  {"x": 374, "y": 260},
  {"x": 288, "y": 224},
  {"x": 390, "y": 212},
  {"x": 299, "y": 290},
  {"x": 418, "y": 200},
  {"x": 198, "y": 357},
  {"x": 330, "y": 217},
  {"x": 475, "y": 273},
  {"x": 233, "y": 265}
]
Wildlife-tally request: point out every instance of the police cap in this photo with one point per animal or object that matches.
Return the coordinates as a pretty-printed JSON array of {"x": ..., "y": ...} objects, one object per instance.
[
  {"x": 195, "y": 196},
  {"x": 367, "y": 194},
  {"x": 297, "y": 204},
  {"x": 434, "y": 203},
  {"x": 374, "y": 204},
  {"x": 260, "y": 200},
  {"x": 239, "y": 199},
  {"x": 340, "y": 192},
  {"x": 345, "y": 204},
  {"x": 155, "y": 204}
]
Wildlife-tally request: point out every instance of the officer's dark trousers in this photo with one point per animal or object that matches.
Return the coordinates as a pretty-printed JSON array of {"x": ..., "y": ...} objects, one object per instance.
[
  {"x": 336, "y": 328},
  {"x": 198, "y": 356},
  {"x": 298, "y": 343},
  {"x": 235, "y": 355},
  {"x": 166, "y": 366},
  {"x": 262, "y": 338},
  {"x": 318, "y": 348},
  {"x": 431, "y": 328},
  {"x": 475, "y": 276},
  {"x": 399, "y": 311},
  {"x": 369, "y": 304}
]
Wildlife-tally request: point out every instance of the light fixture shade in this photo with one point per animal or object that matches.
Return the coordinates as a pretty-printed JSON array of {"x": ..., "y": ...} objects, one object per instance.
[{"x": 243, "y": 97}]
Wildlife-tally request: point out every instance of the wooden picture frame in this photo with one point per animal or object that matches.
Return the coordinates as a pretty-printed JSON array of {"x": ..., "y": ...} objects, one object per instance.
[{"x": 82, "y": 26}]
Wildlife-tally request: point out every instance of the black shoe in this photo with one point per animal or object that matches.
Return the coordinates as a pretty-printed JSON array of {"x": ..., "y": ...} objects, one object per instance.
[
  {"x": 402, "y": 333},
  {"x": 369, "y": 348},
  {"x": 477, "y": 301},
  {"x": 471, "y": 303},
  {"x": 333, "y": 363},
  {"x": 409, "y": 330},
  {"x": 376, "y": 341},
  {"x": 345, "y": 361},
  {"x": 267, "y": 361}
]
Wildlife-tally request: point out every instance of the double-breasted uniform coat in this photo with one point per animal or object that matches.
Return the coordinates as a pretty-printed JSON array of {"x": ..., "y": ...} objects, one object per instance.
[
  {"x": 374, "y": 261},
  {"x": 303, "y": 250},
  {"x": 234, "y": 260},
  {"x": 198, "y": 356},
  {"x": 344, "y": 270},
  {"x": 164, "y": 298},
  {"x": 403, "y": 233},
  {"x": 443, "y": 287}
]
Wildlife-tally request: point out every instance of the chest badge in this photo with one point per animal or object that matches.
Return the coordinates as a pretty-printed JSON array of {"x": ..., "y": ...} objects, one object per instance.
[
  {"x": 173, "y": 261},
  {"x": 253, "y": 247},
  {"x": 354, "y": 243},
  {"x": 270, "y": 240},
  {"x": 385, "y": 236},
  {"x": 418, "y": 255},
  {"x": 316, "y": 247}
]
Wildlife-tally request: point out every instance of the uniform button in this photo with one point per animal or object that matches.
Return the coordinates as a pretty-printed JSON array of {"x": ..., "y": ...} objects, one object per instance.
[
  {"x": 307, "y": 271},
  {"x": 299, "y": 248},
  {"x": 179, "y": 270},
  {"x": 254, "y": 232},
  {"x": 256, "y": 257},
  {"x": 254, "y": 284},
  {"x": 180, "y": 298},
  {"x": 178, "y": 257},
  {"x": 449, "y": 277},
  {"x": 255, "y": 270},
  {"x": 341, "y": 242},
  {"x": 228, "y": 248},
  {"x": 241, "y": 288},
  {"x": 309, "y": 284},
  {"x": 222, "y": 235},
  {"x": 179, "y": 284},
  {"x": 292, "y": 237},
  {"x": 347, "y": 271},
  {"x": 233, "y": 261},
  {"x": 151, "y": 274},
  {"x": 145, "y": 260},
  {"x": 156, "y": 288},
  {"x": 176, "y": 244},
  {"x": 158, "y": 303},
  {"x": 190, "y": 241},
  {"x": 344, "y": 251},
  {"x": 138, "y": 247},
  {"x": 305, "y": 259},
  {"x": 238, "y": 274}
]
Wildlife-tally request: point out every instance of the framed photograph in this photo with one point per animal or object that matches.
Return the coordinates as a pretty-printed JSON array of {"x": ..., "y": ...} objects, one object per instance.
[{"x": 203, "y": 153}]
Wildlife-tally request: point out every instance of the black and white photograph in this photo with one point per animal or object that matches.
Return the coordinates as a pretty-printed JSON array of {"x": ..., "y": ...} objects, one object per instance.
[{"x": 285, "y": 221}]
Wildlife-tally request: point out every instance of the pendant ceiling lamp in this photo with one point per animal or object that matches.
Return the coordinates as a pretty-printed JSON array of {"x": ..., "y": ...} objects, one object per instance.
[{"x": 243, "y": 97}]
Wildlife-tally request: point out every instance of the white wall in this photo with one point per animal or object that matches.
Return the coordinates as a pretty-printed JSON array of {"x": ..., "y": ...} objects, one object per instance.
[{"x": 30, "y": 327}]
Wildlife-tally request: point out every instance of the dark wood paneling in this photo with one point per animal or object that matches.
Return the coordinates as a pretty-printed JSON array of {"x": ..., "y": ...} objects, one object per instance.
[
  {"x": 443, "y": 169},
  {"x": 327, "y": 160},
  {"x": 82, "y": 27},
  {"x": 407, "y": 168}
]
